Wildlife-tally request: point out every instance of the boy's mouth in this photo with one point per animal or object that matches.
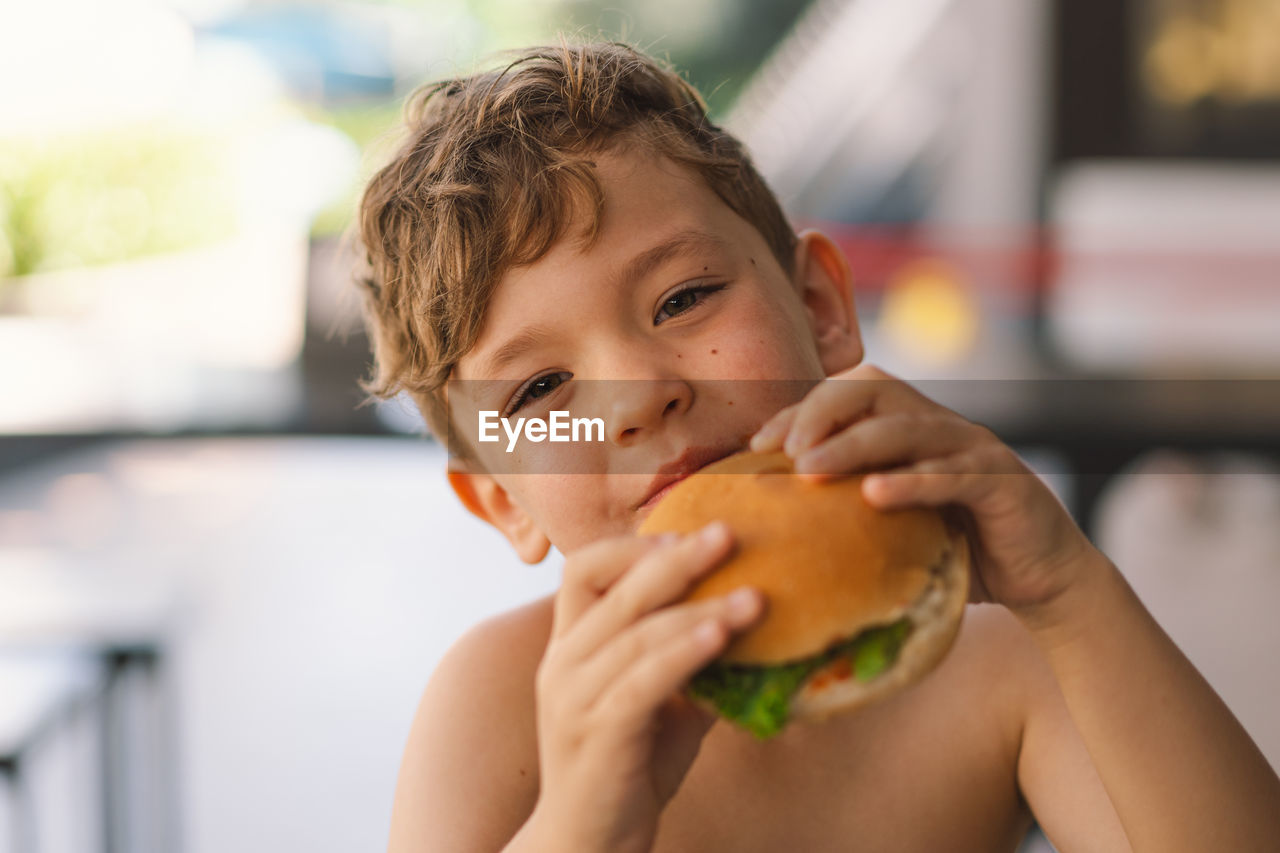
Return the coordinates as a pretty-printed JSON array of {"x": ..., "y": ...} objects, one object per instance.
[{"x": 682, "y": 466}]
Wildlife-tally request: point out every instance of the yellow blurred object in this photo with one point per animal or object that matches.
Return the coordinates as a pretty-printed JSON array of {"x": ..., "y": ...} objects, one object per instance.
[
  {"x": 1225, "y": 49},
  {"x": 928, "y": 313}
]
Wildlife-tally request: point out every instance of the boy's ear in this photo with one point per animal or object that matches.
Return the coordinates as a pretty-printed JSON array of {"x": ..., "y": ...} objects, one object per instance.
[
  {"x": 489, "y": 501},
  {"x": 825, "y": 285}
]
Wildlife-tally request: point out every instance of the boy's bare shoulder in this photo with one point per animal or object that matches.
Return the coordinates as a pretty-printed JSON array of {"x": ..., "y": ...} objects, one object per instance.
[
  {"x": 997, "y": 647},
  {"x": 469, "y": 776},
  {"x": 995, "y": 674},
  {"x": 996, "y": 651}
]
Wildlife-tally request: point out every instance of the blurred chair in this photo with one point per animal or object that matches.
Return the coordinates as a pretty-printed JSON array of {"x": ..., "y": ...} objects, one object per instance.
[
  {"x": 41, "y": 690},
  {"x": 71, "y": 636}
]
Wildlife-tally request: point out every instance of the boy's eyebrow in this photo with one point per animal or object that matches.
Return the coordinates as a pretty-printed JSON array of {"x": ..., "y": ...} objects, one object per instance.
[
  {"x": 686, "y": 242},
  {"x": 526, "y": 339}
]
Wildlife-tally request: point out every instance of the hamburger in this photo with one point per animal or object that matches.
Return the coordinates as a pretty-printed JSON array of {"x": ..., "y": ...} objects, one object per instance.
[{"x": 861, "y": 602}]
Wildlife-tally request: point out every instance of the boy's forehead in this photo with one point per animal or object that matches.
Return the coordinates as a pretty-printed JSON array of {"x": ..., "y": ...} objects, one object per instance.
[
  {"x": 647, "y": 197},
  {"x": 655, "y": 210}
]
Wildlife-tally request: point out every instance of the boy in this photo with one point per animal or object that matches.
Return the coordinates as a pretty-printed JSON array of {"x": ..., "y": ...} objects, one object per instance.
[{"x": 576, "y": 216}]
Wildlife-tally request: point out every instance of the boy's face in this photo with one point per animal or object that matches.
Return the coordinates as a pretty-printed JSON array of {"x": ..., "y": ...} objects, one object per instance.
[{"x": 681, "y": 305}]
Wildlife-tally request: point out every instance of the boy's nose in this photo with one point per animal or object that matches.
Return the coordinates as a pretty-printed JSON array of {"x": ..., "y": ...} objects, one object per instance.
[{"x": 641, "y": 405}]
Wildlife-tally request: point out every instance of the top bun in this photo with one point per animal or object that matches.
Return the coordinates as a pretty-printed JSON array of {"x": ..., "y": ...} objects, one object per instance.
[{"x": 829, "y": 564}]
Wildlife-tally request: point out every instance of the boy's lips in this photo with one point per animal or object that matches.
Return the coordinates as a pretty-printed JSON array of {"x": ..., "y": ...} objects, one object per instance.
[{"x": 693, "y": 459}]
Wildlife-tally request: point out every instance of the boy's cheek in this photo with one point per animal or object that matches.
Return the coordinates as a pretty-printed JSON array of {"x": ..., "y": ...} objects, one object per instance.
[
  {"x": 573, "y": 512},
  {"x": 759, "y": 360},
  {"x": 555, "y": 460},
  {"x": 777, "y": 351},
  {"x": 770, "y": 374}
]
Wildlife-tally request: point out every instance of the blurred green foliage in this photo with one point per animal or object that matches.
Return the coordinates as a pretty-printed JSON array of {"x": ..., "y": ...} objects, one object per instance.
[
  {"x": 716, "y": 44},
  {"x": 368, "y": 125},
  {"x": 110, "y": 195}
]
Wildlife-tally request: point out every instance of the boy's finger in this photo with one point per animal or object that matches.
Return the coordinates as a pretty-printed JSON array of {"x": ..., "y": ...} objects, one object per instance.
[
  {"x": 885, "y": 440},
  {"x": 633, "y": 699},
  {"x": 769, "y": 436},
  {"x": 837, "y": 403},
  {"x": 657, "y": 579},
  {"x": 735, "y": 612},
  {"x": 968, "y": 478},
  {"x": 593, "y": 569},
  {"x": 830, "y": 406},
  {"x": 843, "y": 400}
]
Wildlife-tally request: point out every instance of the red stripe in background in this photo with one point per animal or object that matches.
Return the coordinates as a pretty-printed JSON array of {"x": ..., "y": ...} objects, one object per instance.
[{"x": 1028, "y": 259}]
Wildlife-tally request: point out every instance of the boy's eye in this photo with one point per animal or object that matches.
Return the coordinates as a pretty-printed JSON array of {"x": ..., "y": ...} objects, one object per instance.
[
  {"x": 539, "y": 386},
  {"x": 545, "y": 385},
  {"x": 682, "y": 301}
]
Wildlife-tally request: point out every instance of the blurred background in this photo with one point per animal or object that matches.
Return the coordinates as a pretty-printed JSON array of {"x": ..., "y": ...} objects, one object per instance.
[{"x": 224, "y": 581}]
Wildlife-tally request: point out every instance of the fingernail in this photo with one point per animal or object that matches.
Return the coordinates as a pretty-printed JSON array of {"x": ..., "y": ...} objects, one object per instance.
[
  {"x": 875, "y": 487},
  {"x": 811, "y": 461},
  {"x": 708, "y": 633},
  {"x": 713, "y": 533},
  {"x": 743, "y": 602},
  {"x": 767, "y": 437}
]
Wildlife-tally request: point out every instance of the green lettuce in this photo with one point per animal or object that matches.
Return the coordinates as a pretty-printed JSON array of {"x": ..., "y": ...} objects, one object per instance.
[{"x": 758, "y": 697}]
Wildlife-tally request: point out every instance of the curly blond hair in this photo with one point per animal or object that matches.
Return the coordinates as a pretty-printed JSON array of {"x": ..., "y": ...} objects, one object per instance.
[{"x": 492, "y": 170}]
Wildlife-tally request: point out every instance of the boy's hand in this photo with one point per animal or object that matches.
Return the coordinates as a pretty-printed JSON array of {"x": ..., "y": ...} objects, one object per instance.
[
  {"x": 1026, "y": 548},
  {"x": 615, "y": 738}
]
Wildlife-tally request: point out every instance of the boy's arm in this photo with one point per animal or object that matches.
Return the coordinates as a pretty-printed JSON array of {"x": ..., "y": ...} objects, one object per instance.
[
  {"x": 1055, "y": 774},
  {"x": 1180, "y": 770}
]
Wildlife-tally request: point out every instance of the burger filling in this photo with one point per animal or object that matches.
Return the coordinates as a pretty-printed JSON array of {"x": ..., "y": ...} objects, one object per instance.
[{"x": 758, "y": 697}]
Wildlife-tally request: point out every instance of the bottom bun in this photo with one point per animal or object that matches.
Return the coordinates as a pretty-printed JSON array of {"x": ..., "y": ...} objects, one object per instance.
[{"x": 935, "y": 621}]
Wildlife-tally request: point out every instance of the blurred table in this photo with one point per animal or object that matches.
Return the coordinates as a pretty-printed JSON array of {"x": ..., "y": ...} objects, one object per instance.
[
  {"x": 42, "y": 689},
  {"x": 65, "y": 607},
  {"x": 1099, "y": 426}
]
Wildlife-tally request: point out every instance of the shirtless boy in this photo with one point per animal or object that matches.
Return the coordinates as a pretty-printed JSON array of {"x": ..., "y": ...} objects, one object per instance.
[{"x": 575, "y": 216}]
